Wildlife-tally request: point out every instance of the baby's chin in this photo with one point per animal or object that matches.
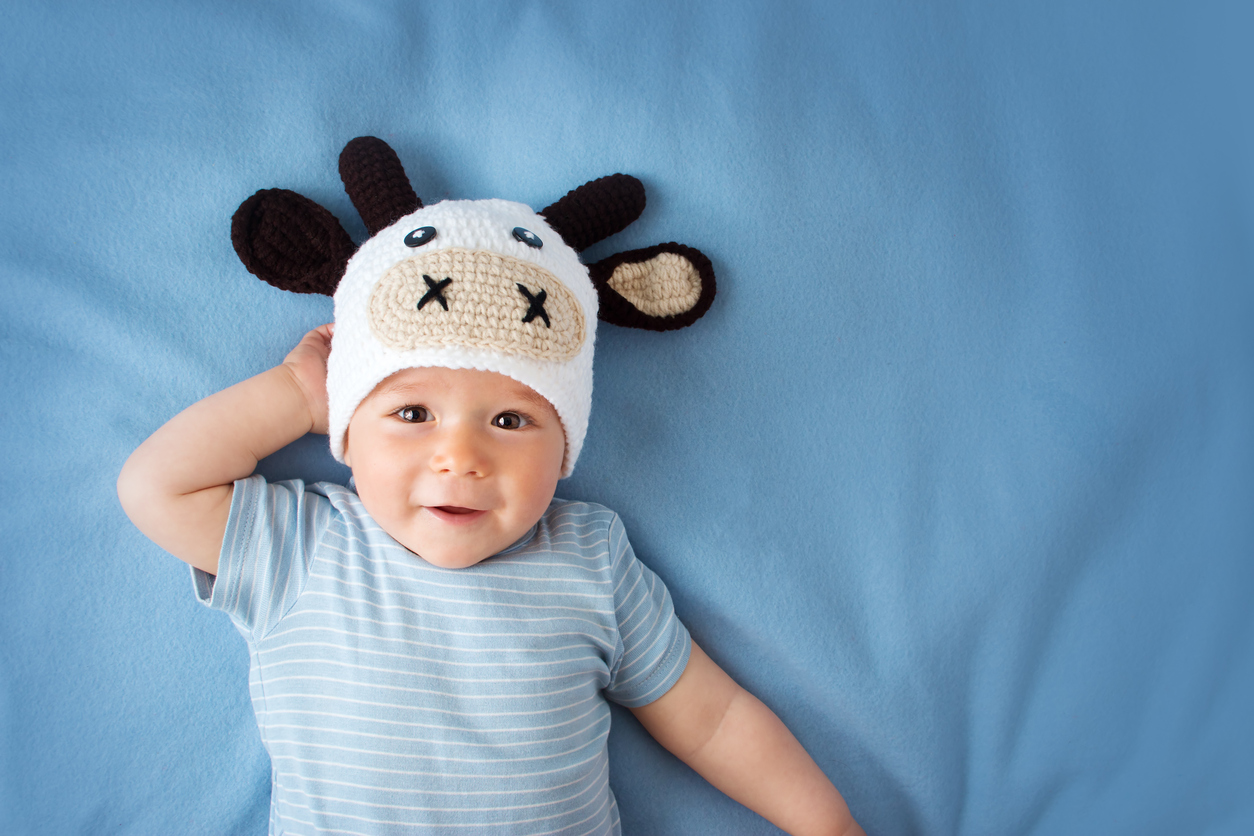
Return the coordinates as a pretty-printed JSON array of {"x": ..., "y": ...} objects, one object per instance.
[
  {"x": 451, "y": 555},
  {"x": 452, "y": 559}
]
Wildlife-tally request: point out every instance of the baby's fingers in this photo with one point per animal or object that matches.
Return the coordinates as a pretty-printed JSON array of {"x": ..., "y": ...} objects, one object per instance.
[
  {"x": 308, "y": 364},
  {"x": 320, "y": 339}
]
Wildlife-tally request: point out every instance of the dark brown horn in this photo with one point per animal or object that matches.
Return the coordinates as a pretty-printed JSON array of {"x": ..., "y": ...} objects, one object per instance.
[
  {"x": 596, "y": 210},
  {"x": 376, "y": 183}
]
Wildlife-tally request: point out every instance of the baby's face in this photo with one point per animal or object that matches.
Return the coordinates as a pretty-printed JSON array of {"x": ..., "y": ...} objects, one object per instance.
[{"x": 455, "y": 464}]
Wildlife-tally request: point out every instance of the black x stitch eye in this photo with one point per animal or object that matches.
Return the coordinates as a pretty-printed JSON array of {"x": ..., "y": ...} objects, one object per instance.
[
  {"x": 435, "y": 290},
  {"x": 420, "y": 236},
  {"x": 528, "y": 237},
  {"x": 535, "y": 305}
]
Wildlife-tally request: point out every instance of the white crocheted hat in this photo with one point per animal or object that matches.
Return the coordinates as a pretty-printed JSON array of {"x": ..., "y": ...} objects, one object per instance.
[{"x": 485, "y": 284}]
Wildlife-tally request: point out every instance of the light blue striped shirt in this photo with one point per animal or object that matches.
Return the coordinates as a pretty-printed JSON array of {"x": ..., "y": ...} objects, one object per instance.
[{"x": 397, "y": 697}]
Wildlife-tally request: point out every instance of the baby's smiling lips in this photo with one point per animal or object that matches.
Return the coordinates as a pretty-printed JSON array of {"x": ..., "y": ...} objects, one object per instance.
[{"x": 455, "y": 514}]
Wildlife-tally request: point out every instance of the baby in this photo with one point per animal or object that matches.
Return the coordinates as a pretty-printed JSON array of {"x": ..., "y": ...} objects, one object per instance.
[{"x": 435, "y": 647}]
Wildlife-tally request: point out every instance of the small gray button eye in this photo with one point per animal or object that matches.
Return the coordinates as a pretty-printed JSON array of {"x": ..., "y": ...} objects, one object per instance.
[
  {"x": 528, "y": 237},
  {"x": 420, "y": 236}
]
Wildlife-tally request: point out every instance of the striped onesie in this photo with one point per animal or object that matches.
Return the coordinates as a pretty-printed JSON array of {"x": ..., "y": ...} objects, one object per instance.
[{"x": 397, "y": 697}]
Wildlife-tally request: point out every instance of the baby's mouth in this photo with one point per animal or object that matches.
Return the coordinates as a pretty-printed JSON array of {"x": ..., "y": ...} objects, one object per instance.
[{"x": 455, "y": 513}]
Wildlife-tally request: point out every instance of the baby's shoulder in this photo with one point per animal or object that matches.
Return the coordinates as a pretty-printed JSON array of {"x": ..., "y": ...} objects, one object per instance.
[
  {"x": 339, "y": 495},
  {"x": 578, "y": 512},
  {"x": 335, "y": 501},
  {"x": 585, "y": 526}
]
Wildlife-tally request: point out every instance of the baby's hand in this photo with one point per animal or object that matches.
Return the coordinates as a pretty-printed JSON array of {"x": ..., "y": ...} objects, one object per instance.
[{"x": 308, "y": 364}]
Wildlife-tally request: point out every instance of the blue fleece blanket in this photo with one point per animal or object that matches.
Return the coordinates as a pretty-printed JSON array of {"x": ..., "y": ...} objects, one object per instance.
[{"x": 957, "y": 474}]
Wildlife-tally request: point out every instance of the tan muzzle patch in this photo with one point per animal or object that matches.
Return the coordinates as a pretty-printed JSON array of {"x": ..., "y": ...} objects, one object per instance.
[{"x": 478, "y": 299}]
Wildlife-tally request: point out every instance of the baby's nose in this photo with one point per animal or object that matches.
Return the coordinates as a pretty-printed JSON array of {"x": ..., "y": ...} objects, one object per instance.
[{"x": 458, "y": 452}]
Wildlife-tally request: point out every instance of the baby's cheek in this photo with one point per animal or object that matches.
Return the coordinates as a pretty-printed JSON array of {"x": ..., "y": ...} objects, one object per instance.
[{"x": 380, "y": 488}]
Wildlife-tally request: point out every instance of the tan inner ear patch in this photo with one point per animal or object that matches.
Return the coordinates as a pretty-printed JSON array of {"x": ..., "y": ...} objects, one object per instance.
[
  {"x": 665, "y": 285},
  {"x": 486, "y": 306}
]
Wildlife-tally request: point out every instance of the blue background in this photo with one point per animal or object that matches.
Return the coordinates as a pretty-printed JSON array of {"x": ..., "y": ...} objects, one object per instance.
[{"x": 957, "y": 474}]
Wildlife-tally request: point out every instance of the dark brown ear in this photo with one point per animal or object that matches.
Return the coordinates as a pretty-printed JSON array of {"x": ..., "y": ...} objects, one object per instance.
[
  {"x": 376, "y": 183},
  {"x": 658, "y": 288},
  {"x": 596, "y": 210},
  {"x": 291, "y": 242}
]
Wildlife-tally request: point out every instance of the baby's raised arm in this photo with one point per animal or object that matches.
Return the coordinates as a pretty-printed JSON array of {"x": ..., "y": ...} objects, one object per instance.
[
  {"x": 176, "y": 487},
  {"x": 738, "y": 744}
]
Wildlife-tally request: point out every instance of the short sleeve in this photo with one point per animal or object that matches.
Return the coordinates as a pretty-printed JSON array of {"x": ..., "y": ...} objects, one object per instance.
[
  {"x": 270, "y": 537},
  {"x": 655, "y": 643}
]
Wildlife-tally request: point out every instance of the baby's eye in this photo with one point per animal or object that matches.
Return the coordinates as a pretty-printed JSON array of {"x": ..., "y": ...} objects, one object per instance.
[
  {"x": 413, "y": 414},
  {"x": 510, "y": 421}
]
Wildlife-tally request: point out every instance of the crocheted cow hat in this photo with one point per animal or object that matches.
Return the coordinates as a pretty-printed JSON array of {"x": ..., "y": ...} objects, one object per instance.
[{"x": 474, "y": 284}]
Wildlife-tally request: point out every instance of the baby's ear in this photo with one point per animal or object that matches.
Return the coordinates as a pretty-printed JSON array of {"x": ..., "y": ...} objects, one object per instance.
[
  {"x": 659, "y": 288},
  {"x": 289, "y": 241}
]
